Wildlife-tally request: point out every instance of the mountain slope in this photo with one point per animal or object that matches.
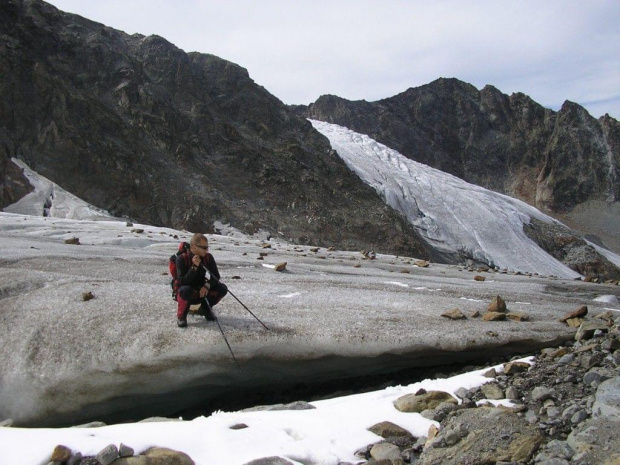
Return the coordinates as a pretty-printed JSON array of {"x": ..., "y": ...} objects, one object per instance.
[
  {"x": 142, "y": 129},
  {"x": 556, "y": 161},
  {"x": 464, "y": 220}
]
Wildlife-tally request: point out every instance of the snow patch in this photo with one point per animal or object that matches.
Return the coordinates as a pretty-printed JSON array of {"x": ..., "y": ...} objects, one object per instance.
[
  {"x": 608, "y": 299},
  {"x": 328, "y": 434},
  {"x": 50, "y": 200}
]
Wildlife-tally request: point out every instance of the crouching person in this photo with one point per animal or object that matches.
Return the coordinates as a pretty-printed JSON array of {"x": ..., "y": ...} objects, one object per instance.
[{"x": 194, "y": 286}]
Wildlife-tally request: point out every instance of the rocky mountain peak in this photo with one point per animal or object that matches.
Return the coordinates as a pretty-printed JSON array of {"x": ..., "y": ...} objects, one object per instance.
[
  {"x": 556, "y": 161},
  {"x": 137, "y": 126}
]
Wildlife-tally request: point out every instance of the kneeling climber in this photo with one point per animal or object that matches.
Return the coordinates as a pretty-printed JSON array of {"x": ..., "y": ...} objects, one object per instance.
[{"x": 194, "y": 287}]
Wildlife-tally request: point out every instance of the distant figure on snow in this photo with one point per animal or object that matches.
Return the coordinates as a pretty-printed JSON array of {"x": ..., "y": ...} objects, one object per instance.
[{"x": 194, "y": 287}]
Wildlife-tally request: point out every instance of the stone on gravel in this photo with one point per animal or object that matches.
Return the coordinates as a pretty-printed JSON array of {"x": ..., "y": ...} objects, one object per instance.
[
  {"x": 387, "y": 429},
  {"x": 607, "y": 399},
  {"x": 587, "y": 329},
  {"x": 514, "y": 440},
  {"x": 542, "y": 393},
  {"x": 108, "y": 454},
  {"x": 164, "y": 456},
  {"x": 61, "y": 454},
  {"x": 492, "y": 391},
  {"x": 125, "y": 451},
  {"x": 385, "y": 451},
  {"x": 516, "y": 367},
  {"x": 416, "y": 403}
]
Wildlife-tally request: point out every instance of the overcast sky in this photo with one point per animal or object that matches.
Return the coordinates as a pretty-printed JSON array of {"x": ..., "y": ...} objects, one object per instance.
[{"x": 362, "y": 49}]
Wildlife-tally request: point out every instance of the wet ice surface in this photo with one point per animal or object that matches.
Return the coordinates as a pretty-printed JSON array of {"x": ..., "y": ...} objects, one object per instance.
[
  {"x": 61, "y": 354},
  {"x": 451, "y": 214}
]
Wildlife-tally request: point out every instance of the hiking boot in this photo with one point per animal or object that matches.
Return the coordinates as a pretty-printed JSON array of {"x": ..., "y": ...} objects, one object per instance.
[
  {"x": 205, "y": 310},
  {"x": 181, "y": 322}
]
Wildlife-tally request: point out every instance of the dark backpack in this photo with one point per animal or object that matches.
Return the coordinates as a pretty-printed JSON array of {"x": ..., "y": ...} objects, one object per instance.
[{"x": 172, "y": 266}]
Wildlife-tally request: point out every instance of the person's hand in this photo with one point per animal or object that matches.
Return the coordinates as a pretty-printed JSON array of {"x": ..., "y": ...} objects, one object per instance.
[
  {"x": 203, "y": 291},
  {"x": 196, "y": 260}
]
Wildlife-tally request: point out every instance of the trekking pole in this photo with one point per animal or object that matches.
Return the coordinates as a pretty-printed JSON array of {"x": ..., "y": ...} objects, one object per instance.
[
  {"x": 235, "y": 297},
  {"x": 248, "y": 310},
  {"x": 223, "y": 335}
]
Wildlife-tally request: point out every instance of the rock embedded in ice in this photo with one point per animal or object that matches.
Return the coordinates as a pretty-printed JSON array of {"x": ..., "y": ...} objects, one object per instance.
[
  {"x": 280, "y": 266},
  {"x": 497, "y": 305},
  {"x": 578, "y": 313},
  {"x": 454, "y": 314}
]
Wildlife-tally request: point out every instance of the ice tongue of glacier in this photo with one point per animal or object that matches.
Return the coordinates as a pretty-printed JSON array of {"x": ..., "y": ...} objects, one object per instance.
[{"x": 454, "y": 216}]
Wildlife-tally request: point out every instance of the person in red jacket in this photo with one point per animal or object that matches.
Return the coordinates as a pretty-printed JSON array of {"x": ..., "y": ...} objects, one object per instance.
[{"x": 194, "y": 285}]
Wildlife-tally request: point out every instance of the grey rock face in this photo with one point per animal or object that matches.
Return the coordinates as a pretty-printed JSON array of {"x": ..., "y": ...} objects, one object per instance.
[
  {"x": 136, "y": 126},
  {"x": 450, "y": 125}
]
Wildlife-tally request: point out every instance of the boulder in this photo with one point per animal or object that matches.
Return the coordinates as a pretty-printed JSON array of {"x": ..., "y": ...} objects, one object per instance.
[
  {"x": 479, "y": 278},
  {"x": 487, "y": 436},
  {"x": 385, "y": 451},
  {"x": 497, "y": 305},
  {"x": 492, "y": 391},
  {"x": 516, "y": 367},
  {"x": 587, "y": 329},
  {"x": 108, "y": 455},
  {"x": 607, "y": 399},
  {"x": 61, "y": 454},
  {"x": 542, "y": 393},
  {"x": 164, "y": 456},
  {"x": 578, "y": 313},
  {"x": 494, "y": 316},
  {"x": 574, "y": 322},
  {"x": 280, "y": 266},
  {"x": 416, "y": 403},
  {"x": 125, "y": 451},
  {"x": 387, "y": 429},
  {"x": 454, "y": 314}
]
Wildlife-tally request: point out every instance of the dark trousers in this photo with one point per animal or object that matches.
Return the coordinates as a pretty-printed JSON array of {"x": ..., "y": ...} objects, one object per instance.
[{"x": 189, "y": 296}]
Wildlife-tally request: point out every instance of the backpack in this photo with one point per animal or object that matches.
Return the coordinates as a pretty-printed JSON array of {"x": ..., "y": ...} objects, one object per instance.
[{"x": 172, "y": 266}]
